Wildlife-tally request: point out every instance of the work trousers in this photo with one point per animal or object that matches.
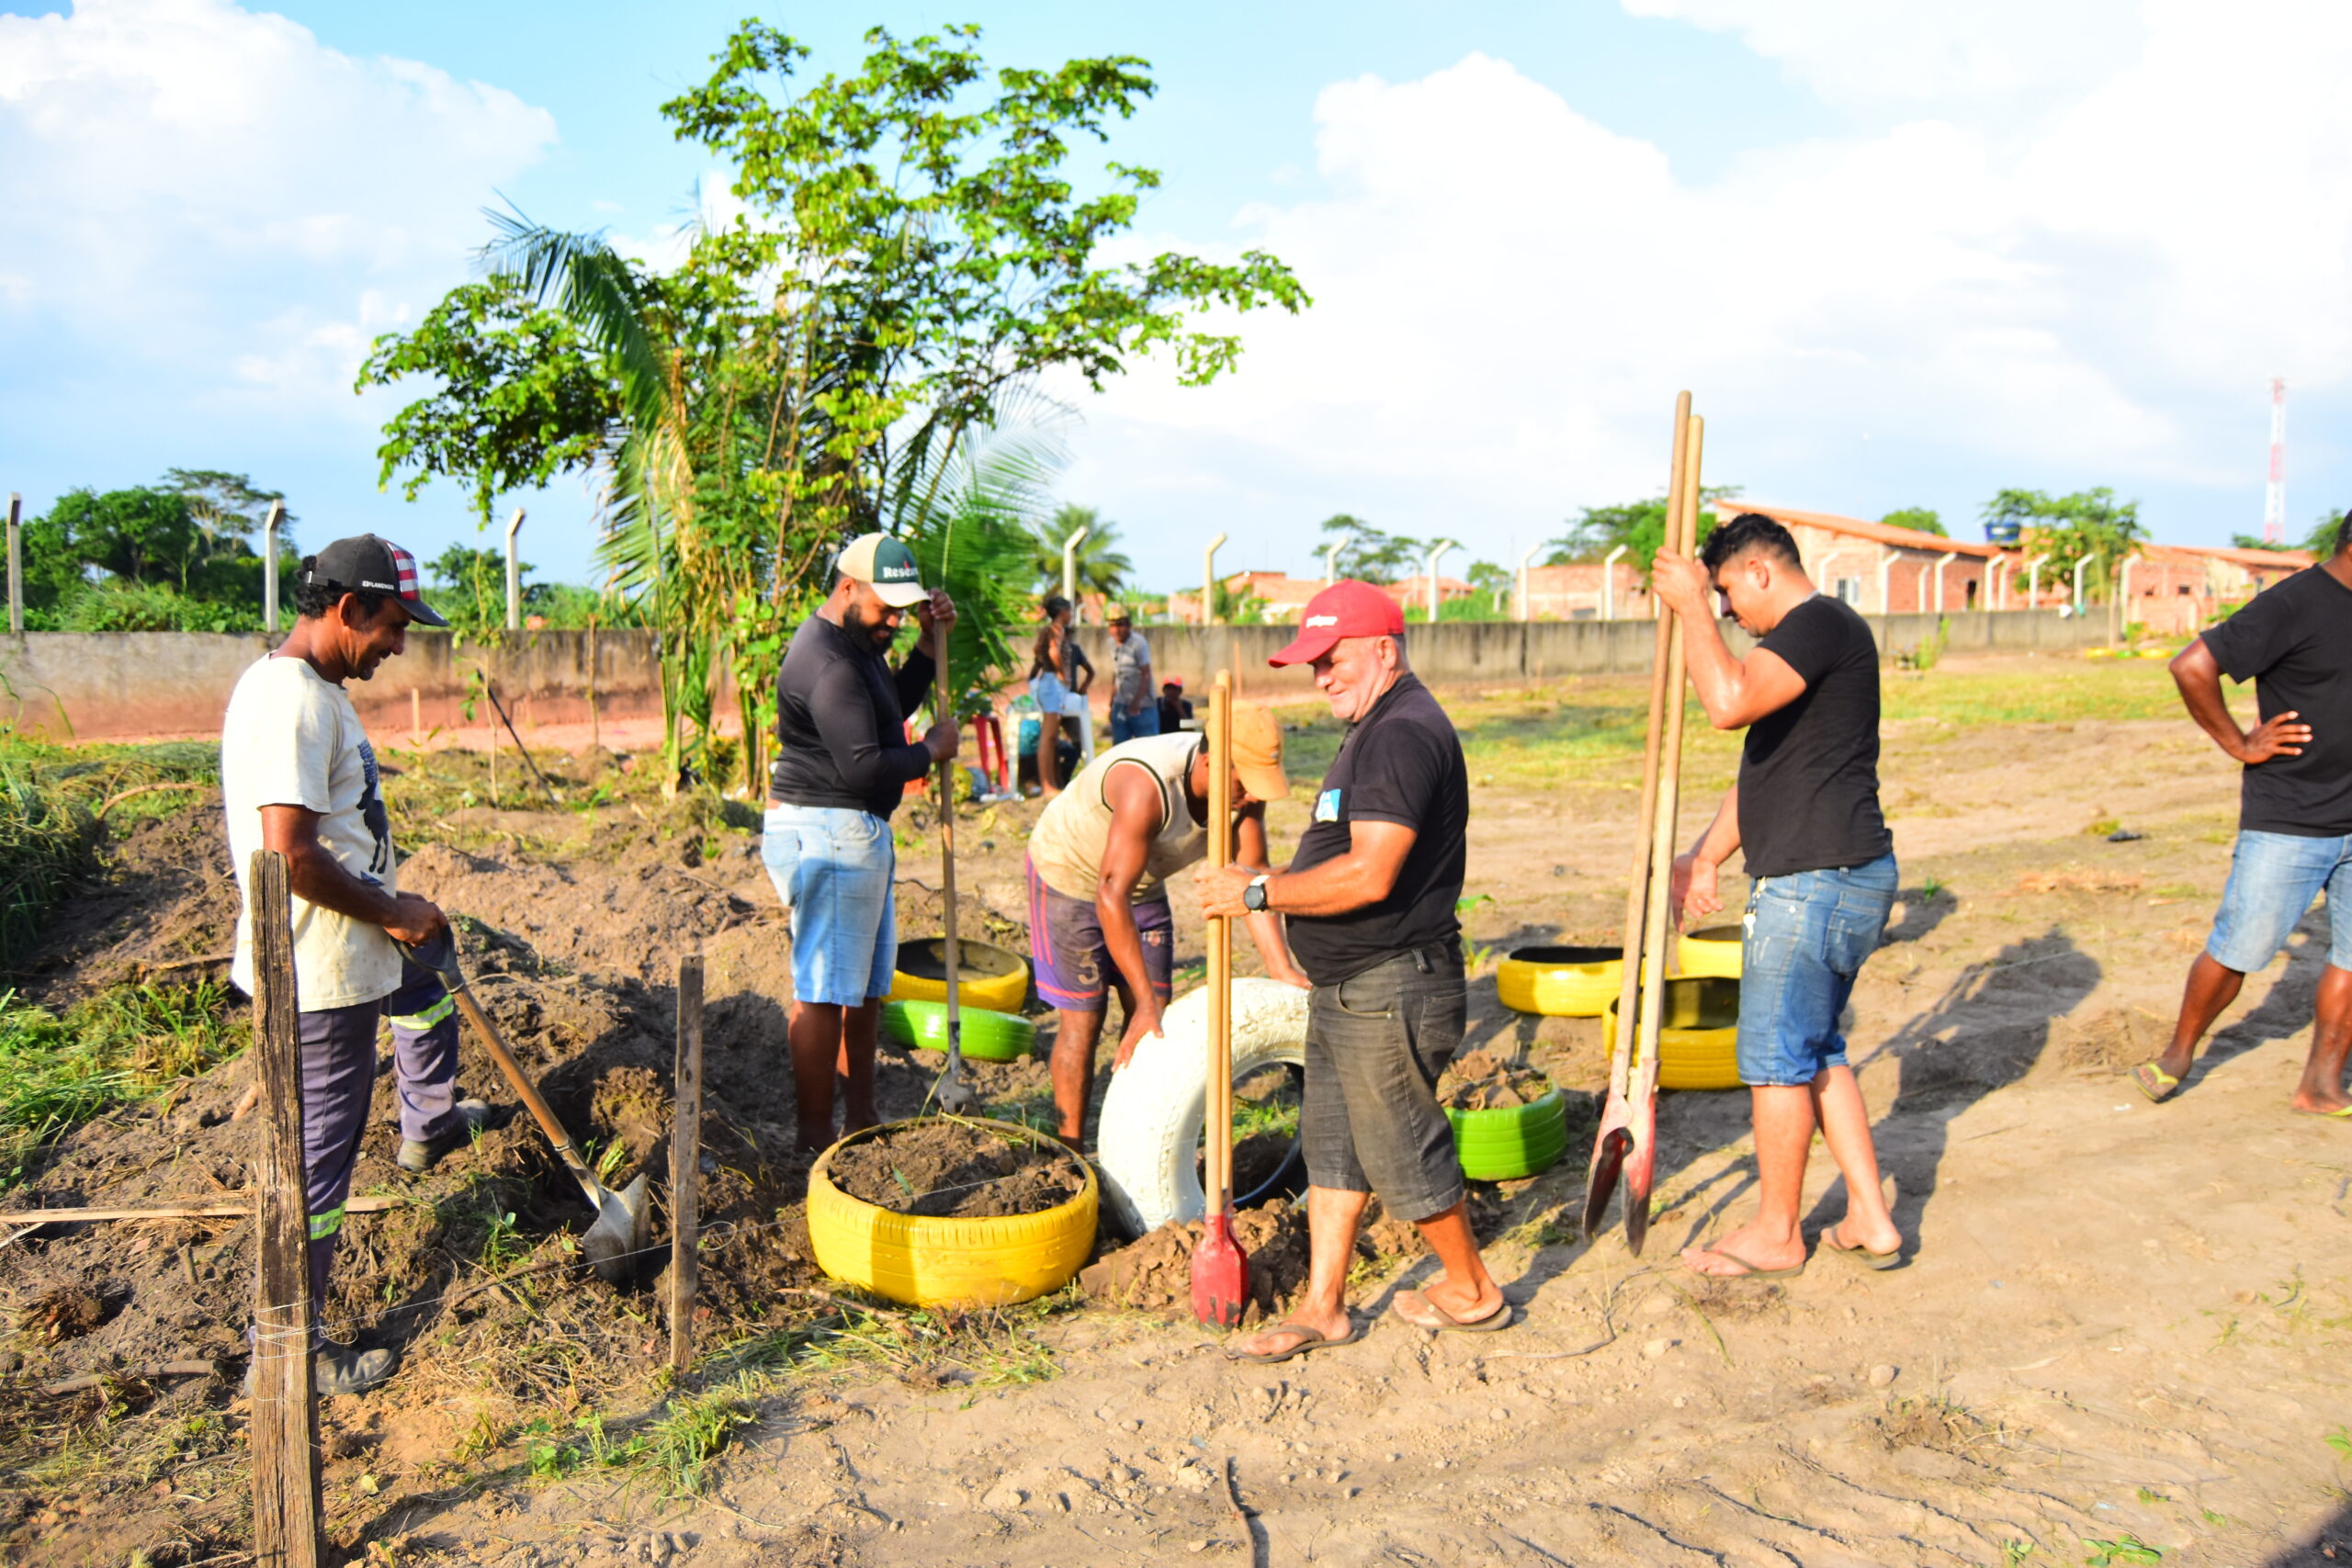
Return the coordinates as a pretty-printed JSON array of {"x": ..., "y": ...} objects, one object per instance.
[{"x": 338, "y": 1051}]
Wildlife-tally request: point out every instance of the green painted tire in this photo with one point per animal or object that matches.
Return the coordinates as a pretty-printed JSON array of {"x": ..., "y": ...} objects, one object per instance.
[
  {"x": 1511, "y": 1142},
  {"x": 987, "y": 1036}
]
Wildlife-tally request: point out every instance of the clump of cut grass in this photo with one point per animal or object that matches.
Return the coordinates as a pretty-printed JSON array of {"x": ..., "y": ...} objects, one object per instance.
[{"x": 128, "y": 1044}]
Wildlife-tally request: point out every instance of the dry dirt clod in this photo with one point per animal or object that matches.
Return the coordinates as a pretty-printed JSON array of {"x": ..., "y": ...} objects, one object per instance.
[{"x": 1883, "y": 1375}]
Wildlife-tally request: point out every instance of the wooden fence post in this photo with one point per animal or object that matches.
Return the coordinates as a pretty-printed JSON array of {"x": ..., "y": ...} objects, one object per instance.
[
  {"x": 285, "y": 1423},
  {"x": 685, "y": 1164}
]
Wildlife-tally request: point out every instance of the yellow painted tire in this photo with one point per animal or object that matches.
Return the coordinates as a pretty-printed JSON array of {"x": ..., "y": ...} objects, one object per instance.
[
  {"x": 1710, "y": 952},
  {"x": 1560, "y": 982},
  {"x": 1698, "y": 1045},
  {"x": 987, "y": 976},
  {"x": 925, "y": 1262}
]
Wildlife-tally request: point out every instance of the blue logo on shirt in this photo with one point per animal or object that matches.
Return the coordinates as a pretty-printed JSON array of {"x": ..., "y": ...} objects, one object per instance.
[{"x": 1327, "y": 806}]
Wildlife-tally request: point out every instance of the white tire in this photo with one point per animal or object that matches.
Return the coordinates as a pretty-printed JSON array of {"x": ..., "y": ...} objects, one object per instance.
[{"x": 1149, "y": 1136}]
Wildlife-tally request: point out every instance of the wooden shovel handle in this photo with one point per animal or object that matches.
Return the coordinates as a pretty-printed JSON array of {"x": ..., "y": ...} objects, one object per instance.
[
  {"x": 944, "y": 711},
  {"x": 524, "y": 1090},
  {"x": 1219, "y": 1107}
]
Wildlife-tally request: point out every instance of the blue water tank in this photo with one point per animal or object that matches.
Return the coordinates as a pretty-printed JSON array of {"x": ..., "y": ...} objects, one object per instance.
[{"x": 2002, "y": 534}]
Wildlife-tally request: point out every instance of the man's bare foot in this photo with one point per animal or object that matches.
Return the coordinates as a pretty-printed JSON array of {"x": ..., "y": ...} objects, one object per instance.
[
  {"x": 2313, "y": 1102},
  {"x": 1884, "y": 1240},
  {"x": 1304, "y": 1323},
  {"x": 1425, "y": 1309},
  {"x": 1751, "y": 1249}
]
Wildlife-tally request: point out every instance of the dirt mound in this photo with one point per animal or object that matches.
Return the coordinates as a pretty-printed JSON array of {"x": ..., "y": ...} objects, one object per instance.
[
  {"x": 1480, "y": 1080},
  {"x": 1156, "y": 1274},
  {"x": 952, "y": 1170},
  {"x": 162, "y": 908},
  {"x": 625, "y": 918}
]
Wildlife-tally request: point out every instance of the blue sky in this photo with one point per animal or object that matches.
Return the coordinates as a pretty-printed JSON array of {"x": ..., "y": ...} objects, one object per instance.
[{"x": 1902, "y": 257}]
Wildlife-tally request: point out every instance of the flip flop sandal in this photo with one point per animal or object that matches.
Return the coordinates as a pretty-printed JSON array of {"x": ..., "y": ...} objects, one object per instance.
[
  {"x": 2341, "y": 1113},
  {"x": 1747, "y": 1270},
  {"x": 1314, "y": 1340},
  {"x": 1858, "y": 1254},
  {"x": 1494, "y": 1321},
  {"x": 2154, "y": 1082}
]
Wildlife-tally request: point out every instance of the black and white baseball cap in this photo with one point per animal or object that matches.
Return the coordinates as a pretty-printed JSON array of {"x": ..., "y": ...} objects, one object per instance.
[
  {"x": 366, "y": 564},
  {"x": 886, "y": 565}
]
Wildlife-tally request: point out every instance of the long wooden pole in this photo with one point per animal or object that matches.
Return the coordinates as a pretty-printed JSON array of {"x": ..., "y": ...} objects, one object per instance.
[
  {"x": 285, "y": 1429},
  {"x": 1608, "y": 1145},
  {"x": 685, "y": 1164},
  {"x": 1219, "y": 1109},
  {"x": 1682, "y": 534}
]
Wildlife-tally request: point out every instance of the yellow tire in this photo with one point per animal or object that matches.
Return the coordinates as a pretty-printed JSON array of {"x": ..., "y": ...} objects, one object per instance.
[
  {"x": 1712, "y": 951},
  {"x": 986, "y": 976},
  {"x": 928, "y": 1262},
  {"x": 1560, "y": 982},
  {"x": 1698, "y": 1046}
]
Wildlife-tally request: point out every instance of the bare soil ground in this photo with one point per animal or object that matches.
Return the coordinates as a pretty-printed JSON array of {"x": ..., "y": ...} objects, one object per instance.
[{"x": 2115, "y": 1341}]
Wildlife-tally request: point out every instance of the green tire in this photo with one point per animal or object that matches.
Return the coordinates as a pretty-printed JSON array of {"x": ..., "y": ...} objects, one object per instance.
[
  {"x": 987, "y": 1036},
  {"x": 1514, "y": 1141}
]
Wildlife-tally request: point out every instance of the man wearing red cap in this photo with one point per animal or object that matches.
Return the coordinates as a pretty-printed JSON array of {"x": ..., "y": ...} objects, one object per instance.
[{"x": 1370, "y": 904}]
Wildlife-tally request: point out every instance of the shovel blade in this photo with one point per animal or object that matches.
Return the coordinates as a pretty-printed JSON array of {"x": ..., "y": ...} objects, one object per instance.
[
  {"x": 623, "y": 1230},
  {"x": 1641, "y": 1166},
  {"x": 1220, "y": 1274}
]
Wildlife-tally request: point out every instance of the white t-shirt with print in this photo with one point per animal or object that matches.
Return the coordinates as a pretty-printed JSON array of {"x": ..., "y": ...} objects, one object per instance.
[{"x": 292, "y": 739}]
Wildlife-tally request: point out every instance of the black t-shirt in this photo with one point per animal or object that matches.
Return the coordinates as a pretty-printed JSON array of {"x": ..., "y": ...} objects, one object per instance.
[
  {"x": 840, "y": 723},
  {"x": 1401, "y": 763},
  {"x": 1808, "y": 777},
  {"x": 2294, "y": 642}
]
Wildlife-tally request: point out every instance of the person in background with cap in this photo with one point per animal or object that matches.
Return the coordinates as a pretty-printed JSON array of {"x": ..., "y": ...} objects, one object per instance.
[
  {"x": 1369, "y": 900},
  {"x": 299, "y": 777},
  {"x": 1133, "y": 710},
  {"x": 1099, "y": 862},
  {"x": 841, "y": 765}
]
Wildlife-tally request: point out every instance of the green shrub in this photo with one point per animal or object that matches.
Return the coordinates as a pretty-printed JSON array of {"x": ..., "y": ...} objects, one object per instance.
[{"x": 46, "y": 842}]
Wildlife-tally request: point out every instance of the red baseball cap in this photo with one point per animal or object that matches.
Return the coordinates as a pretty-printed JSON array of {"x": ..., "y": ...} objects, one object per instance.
[{"x": 1347, "y": 608}]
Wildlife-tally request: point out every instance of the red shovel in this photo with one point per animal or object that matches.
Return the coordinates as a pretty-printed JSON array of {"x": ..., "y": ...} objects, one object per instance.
[{"x": 1220, "y": 1268}]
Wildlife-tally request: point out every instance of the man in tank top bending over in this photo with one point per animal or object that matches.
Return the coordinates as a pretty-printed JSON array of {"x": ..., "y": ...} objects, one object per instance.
[{"x": 1099, "y": 862}]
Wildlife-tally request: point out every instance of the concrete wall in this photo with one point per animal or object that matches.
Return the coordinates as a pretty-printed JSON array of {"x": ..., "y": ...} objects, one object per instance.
[
  {"x": 103, "y": 685},
  {"x": 99, "y": 685}
]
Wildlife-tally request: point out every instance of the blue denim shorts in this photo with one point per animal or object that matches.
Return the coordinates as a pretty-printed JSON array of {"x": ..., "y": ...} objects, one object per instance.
[
  {"x": 832, "y": 866},
  {"x": 1808, "y": 934},
  {"x": 2273, "y": 879}
]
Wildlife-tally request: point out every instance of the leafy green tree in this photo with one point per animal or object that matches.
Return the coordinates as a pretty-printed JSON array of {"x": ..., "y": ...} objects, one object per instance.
[
  {"x": 1919, "y": 519},
  {"x": 1370, "y": 555},
  {"x": 2089, "y": 525},
  {"x": 1099, "y": 567},
  {"x": 1639, "y": 525},
  {"x": 912, "y": 256},
  {"x": 2320, "y": 543},
  {"x": 523, "y": 397}
]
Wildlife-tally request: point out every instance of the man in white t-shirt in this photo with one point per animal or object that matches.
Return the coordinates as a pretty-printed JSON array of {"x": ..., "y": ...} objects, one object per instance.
[{"x": 299, "y": 777}]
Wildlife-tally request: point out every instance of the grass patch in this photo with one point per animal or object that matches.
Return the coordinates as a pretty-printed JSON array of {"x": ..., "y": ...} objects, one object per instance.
[
  {"x": 46, "y": 842},
  {"x": 130, "y": 1043}
]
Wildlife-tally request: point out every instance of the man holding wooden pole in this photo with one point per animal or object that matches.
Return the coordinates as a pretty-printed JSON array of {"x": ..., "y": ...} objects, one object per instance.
[
  {"x": 843, "y": 764},
  {"x": 1805, "y": 813},
  {"x": 299, "y": 777},
  {"x": 1369, "y": 903}
]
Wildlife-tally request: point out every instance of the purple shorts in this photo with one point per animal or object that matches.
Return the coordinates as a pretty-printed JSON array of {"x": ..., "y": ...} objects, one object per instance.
[{"x": 1073, "y": 964}]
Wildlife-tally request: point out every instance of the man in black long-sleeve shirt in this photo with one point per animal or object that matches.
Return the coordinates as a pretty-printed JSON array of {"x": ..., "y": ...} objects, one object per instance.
[{"x": 841, "y": 765}]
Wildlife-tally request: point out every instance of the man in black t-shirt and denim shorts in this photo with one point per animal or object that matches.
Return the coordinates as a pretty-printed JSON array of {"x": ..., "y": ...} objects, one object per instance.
[
  {"x": 2294, "y": 642},
  {"x": 1370, "y": 905},
  {"x": 1821, "y": 867}
]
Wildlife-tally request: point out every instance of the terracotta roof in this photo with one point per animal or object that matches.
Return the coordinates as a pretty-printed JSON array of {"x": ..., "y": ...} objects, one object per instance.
[
  {"x": 1901, "y": 538},
  {"x": 2267, "y": 561}
]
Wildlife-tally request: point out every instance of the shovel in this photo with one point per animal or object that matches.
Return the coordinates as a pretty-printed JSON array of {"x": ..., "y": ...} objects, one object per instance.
[
  {"x": 624, "y": 1224},
  {"x": 1220, "y": 1268},
  {"x": 1626, "y": 1145},
  {"x": 956, "y": 1097}
]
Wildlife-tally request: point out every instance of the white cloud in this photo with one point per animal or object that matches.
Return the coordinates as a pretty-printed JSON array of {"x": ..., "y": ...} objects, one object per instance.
[
  {"x": 1509, "y": 293},
  {"x": 219, "y": 199}
]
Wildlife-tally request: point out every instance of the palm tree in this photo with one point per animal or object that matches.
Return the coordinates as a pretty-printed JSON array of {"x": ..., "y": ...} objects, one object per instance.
[{"x": 1100, "y": 567}]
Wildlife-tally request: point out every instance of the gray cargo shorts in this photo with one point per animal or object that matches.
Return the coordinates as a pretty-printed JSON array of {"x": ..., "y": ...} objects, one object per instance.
[{"x": 1375, "y": 1045}]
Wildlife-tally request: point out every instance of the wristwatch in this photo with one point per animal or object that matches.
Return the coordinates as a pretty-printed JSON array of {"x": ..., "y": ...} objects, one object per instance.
[{"x": 1253, "y": 897}]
